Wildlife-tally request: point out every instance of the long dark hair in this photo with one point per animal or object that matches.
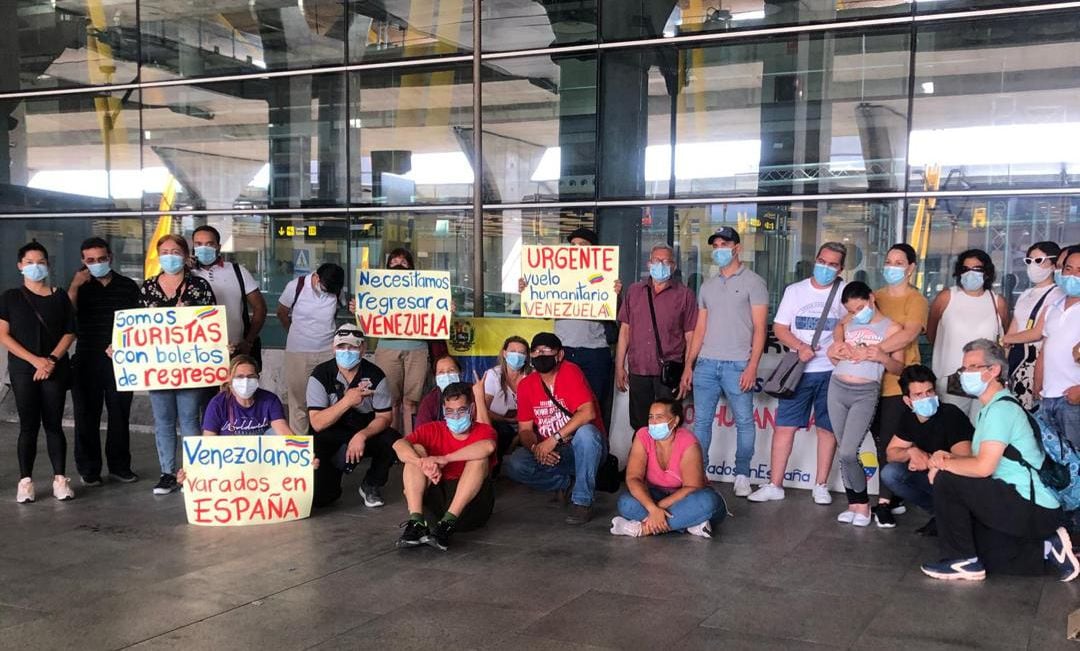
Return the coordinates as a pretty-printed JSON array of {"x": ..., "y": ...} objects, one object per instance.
[
  {"x": 989, "y": 271},
  {"x": 504, "y": 376}
]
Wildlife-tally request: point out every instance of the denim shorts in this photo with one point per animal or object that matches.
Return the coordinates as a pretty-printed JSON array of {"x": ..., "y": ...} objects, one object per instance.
[{"x": 812, "y": 394}]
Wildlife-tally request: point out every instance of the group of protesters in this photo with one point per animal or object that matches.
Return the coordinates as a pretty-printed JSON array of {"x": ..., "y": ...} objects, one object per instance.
[{"x": 953, "y": 439}]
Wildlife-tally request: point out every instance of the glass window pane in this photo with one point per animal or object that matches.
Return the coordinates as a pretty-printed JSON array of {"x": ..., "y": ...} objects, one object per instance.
[
  {"x": 381, "y": 31},
  {"x": 265, "y": 142},
  {"x": 526, "y": 24},
  {"x": 73, "y": 153},
  {"x": 939, "y": 6},
  {"x": 230, "y": 37},
  {"x": 63, "y": 239},
  {"x": 997, "y": 104},
  {"x": 64, "y": 43},
  {"x": 622, "y": 20},
  {"x": 540, "y": 129},
  {"x": 796, "y": 114},
  {"x": 411, "y": 135}
]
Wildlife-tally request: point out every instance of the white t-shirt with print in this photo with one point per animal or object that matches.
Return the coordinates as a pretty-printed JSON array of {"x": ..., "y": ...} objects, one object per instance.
[
  {"x": 222, "y": 279},
  {"x": 800, "y": 309}
]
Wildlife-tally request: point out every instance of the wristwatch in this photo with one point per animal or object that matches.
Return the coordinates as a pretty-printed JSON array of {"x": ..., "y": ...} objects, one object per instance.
[{"x": 558, "y": 437}]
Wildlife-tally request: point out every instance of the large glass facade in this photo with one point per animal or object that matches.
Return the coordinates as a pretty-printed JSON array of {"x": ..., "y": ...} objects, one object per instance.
[{"x": 337, "y": 130}]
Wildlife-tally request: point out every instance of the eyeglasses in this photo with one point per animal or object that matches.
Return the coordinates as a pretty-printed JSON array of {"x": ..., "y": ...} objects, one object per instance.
[
  {"x": 348, "y": 332},
  {"x": 1039, "y": 260},
  {"x": 972, "y": 368},
  {"x": 456, "y": 413},
  {"x": 543, "y": 350}
]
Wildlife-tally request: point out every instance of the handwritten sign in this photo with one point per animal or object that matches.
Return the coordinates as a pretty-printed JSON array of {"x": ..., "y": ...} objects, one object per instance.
[
  {"x": 170, "y": 348},
  {"x": 569, "y": 282},
  {"x": 241, "y": 480},
  {"x": 403, "y": 304}
]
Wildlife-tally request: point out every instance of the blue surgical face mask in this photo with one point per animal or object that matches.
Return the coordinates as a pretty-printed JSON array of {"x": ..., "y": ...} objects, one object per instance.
[
  {"x": 515, "y": 360},
  {"x": 35, "y": 272},
  {"x": 99, "y": 269},
  {"x": 972, "y": 383},
  {"x": 347, "y": 359},
  {"x": 1057, "y": 277},
  {"x": 893, "y": 275},
  {"x": 659, "y": 271},
  {"x": 863, "y": 316},
  {"x": 972, "y": 281},
  {"x": 659, "y": 431},
  {"x": 171, "y": 263},
  {"x": 206, "y": 255},
  {"x": 1070, "y": 285},
  {"x": 824, "y": 274},
  {"x": 925, "y": 407},
  {"x": 722, "y": 257},
  {"x": 443, "y": 380},
  {"x": 459, "y": 424}
]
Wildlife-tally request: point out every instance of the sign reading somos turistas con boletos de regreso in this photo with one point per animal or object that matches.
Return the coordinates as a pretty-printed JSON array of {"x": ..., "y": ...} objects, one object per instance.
[{"x": 170, "y": 348}]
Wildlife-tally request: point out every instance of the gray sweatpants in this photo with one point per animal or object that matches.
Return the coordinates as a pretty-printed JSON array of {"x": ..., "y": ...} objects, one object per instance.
[{"x": 851, "y": 410}]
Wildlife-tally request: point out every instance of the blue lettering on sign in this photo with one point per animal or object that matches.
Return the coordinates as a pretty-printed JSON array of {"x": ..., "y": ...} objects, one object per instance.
[{"x": 760, "y": 471}]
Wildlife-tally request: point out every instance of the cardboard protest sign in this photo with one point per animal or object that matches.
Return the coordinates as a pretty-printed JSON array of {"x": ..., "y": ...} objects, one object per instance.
[
  {"x": 403, "y": 304},
  {"x": 569, "y": 282},
  {"x": 170, "y": 348},
  {"x": 241, "y": 480}
]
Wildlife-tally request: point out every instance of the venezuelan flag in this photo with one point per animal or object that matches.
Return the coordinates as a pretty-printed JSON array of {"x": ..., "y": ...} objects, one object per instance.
[
  {"x": 296, "y": 441},
  {"x": 596, "y": 278}
]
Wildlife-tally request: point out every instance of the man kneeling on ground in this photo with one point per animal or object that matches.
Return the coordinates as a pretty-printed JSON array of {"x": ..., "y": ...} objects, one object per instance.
[{"x": 448, "y": 470}]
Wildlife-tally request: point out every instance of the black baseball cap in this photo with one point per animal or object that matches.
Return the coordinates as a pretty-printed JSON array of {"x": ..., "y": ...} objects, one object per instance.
[
  {"x": 587, "y": 234},
  {"x": 727, "y": 233},
  {"x": 547, "y": 339}
]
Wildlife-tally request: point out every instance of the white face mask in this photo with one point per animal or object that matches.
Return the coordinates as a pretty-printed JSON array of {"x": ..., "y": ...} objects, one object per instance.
[
  {"x": 245, "y": 387},
  {"x": 1037, "y": 273}
]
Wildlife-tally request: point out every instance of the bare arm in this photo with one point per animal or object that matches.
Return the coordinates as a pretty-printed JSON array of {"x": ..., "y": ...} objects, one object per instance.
[
  {"x": 1003, "y": 313},
  {"x": 527, "y": 433},
  {"x": 583, "y": 415},
  {"x": 284, "y": 316},
  {"x": 937, "y": 309},
  {"x": 759, "y": 315},
  {"x": 908, "y": 333},
  {"x": 784, "y": 335},
  {"x": 1029, "y": 336},
  {"x": 982, "y": 465},
  {"x": 620, "y": 357},
  {"x": 408, "y": 453},
  {"x": 697, "y": 338},
  {"x": 257, "y": 303},
  {"x": 899, "y": 450},
  {"x": 635, "y": 476},
  {"x": 472, "y": 452},
  {"x": 281, "y": 427}
]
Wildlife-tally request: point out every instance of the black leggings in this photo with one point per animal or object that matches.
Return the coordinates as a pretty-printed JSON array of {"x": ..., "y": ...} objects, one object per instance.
[{"x": 41, "y": 404}]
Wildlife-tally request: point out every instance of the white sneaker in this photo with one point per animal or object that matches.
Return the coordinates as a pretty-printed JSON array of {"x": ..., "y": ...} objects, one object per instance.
[
  {"x": 767, "y": 493},
  {"x": 846, "y": 517},
  {"x": 703, "y": 530},
  {"x": 61, "y": 489},
  {"x": 822, "y": 495},
  {"x": 860, "y": 520},
  {"x": 620, "y": 526},
  {"x": 25, "y": 492},
  {"x": 742, "y": 486}
]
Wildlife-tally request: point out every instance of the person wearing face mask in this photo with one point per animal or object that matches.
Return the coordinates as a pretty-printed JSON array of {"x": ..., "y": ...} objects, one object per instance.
[
  {"x": 666, "y": 488},
  {"x": 1024, "y": 337},
  {"x": 37, "y": 326},
  {"x": 854, "y": 389},
  {"x": 96, "y": 293},
  {"x": 307, "y": 309},
  {"x": 927, "y": 427},
  {"x": 349, "y": 403},
  {"x": 993, "y": 512},
  {"x": 241, "y": 408},
  {"x": 447, "y": 372},
  {"x": 447, "y": 472},
  {"x": 970, "y": 310},
  {"x": 727, "y": 345},
  {"x": 797, "y": 318},
  {"x": 642, "y": 348},
  {"x": 235, "y": 288},
  {"x": 1057, "y": 372},
  {"x": 500, "y": 384},
  {"x": 563, "y": 440},
  {"x": 174, "y": 409}
]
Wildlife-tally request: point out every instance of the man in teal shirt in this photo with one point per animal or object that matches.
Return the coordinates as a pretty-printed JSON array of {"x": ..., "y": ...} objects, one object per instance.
[{"x": 993, "y": 512}]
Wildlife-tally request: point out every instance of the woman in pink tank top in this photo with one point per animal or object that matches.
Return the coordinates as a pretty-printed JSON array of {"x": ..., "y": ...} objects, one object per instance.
[{"x": 665, "y": 480}]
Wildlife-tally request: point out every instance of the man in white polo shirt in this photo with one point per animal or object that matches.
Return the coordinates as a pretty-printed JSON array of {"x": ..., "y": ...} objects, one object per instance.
[
  {"x": 307, "y": 309},
  {"x": 1057, "y": 370}
]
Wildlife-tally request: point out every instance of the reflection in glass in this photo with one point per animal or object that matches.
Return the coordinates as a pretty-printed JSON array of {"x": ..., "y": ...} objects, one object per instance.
[
  {"x": 526, "y": 24},
  {"x": 380, "y": 31},
  {"x": 264, "y": 142}
]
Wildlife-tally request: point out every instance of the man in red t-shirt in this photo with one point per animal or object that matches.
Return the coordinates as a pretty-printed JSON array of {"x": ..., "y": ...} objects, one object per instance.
[
  {"x": 448, "y": 470},
  {"x": 562, "y": 434}
]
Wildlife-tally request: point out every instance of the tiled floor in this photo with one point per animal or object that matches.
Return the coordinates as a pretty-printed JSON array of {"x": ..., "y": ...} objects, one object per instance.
[{"x": 119, "y": 567}]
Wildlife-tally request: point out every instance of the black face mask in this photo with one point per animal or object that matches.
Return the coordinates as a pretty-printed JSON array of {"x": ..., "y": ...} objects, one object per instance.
[{"x": 544, "y": 363}]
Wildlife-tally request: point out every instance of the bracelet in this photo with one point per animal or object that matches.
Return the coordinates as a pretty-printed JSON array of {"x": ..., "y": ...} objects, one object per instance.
[{"x": 52, "y": 358}]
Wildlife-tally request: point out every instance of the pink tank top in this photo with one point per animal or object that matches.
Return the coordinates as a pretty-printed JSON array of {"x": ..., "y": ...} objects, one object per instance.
[{"x": 671, "y": 478}]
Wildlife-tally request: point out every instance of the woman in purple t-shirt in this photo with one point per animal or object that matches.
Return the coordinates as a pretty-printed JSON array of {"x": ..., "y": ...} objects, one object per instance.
[{"x": 242, "y": 408}]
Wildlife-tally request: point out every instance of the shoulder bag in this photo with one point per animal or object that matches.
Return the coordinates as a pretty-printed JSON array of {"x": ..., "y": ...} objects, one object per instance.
[
  {"x": 785, "y": 377},
  {"x": 1022, "y": 362},
  {"x": 670, "y": 370},
  {"x": 608, "y": 475}
]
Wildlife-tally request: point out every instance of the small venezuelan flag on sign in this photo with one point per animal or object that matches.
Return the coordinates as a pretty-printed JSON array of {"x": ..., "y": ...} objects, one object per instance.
[
  {"x": 295, "y": 442},
  {"x": 206, "y": 313},
  {"x": 596, "y": 278}
]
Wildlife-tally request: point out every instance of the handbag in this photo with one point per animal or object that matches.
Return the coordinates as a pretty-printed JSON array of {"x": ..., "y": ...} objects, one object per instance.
[
  {"x": 785, "y": 378},
  {"x": 670, "y": 370},
  {"x": 1022, "y": 362},
  {"x": 953, "y": 387},
  {"x": 608, "y": 475}
]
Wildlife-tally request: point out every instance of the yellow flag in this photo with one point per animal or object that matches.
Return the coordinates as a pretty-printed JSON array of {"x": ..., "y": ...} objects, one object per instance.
[{"x": 151, "y": 266}]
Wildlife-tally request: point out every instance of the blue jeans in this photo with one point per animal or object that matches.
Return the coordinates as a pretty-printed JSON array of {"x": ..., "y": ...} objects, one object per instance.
[
  {"x": 598, "y": 368},
  {"x": 173, "y": 407},
  {"x": 578, "y": 461},
  {"x": 697, "y": 507},
  {"x": 712, "y": 378},
  {"x": 912, "y": 485},
  {"x": 1062, "y": 417}
]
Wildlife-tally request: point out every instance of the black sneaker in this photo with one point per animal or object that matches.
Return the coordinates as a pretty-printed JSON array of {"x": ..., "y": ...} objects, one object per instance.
[
  {"x": 167, "y": 484},
  {"x": 416, "y": 533},
  {"x": 928, "y": 529},
  {"x": 372, "y": 495},
  {"x": 440, "y": 536},
  {"x": 579, "y": 514},
  {"x": 125, "y": 476},
  {"x": 883, "y": 516},
  {"x": 896, "y": 506},
  {"x": 92, "y": 480}
]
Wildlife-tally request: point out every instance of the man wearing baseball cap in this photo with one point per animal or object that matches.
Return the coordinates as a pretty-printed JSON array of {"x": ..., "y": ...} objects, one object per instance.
[
  {"x": 349, "y": 407},
  {"x": 562, "y": 435}
]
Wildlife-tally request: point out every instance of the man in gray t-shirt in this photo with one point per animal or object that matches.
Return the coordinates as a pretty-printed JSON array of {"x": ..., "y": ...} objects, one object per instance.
[{"x": 727, "y": 345}]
